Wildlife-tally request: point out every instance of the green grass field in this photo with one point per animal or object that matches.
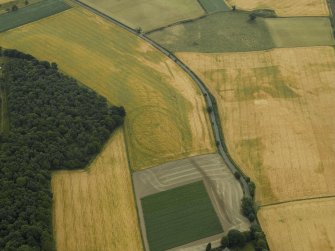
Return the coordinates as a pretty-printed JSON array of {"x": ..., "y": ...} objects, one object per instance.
[
  {"x": 148, "y": 14},
  {"x": 214, "y": 5},
  {"x": 31, "y": 13},
  {"x": 220, "y": 32},
  {"x": 300, "y": 31},
  {"x": 179, "y": 216}
]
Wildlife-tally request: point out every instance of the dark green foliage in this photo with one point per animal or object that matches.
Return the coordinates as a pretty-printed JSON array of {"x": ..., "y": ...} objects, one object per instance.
[
  {"x": 14, "y": 7},
  {"x": 54, "y": 124},
  {"x": 236, "y": 238},
  {"x": 248, "y": 208},
  {"x": 258, "y": 237},
  {"x": 252, "y": 16},
  {"x": 209, "y": 247},
  {"x": 252, "y": 188},
  {"x": 224, "y": 242},
  {"x": 237, "y": 175},
  {"x": 247, "y": 236}
]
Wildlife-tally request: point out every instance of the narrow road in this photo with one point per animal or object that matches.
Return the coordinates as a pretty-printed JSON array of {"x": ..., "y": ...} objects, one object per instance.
[{"x": 208, "y": 97}]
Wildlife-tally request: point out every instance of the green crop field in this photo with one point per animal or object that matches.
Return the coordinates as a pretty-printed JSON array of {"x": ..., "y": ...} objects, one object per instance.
[
  {"x": 148, "y": 14},
  {"x": 300, "y": 31},
  {"x": 214, "y": 5},
  {"x": 179, "y": 216},
  {"x": 220, "y": 32},
  {"x": 31, "y": 13}
]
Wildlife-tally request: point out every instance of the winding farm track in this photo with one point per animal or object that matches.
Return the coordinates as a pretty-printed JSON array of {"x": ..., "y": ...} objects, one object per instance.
[{"x": 210, "y": 101}]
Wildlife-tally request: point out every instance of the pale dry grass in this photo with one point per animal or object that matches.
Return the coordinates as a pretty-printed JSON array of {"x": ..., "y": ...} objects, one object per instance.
[
  {"x": 285, "y": 8},
  {"x": 165, "y": 110},
  {"x": 296, "y": 226},
  {"x": 277, "y": 110},
  {"x": 95, "y": 209}
]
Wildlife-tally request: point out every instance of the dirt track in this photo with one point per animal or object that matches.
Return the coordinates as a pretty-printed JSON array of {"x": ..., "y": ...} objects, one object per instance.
[{"x": 222, "y": 187}]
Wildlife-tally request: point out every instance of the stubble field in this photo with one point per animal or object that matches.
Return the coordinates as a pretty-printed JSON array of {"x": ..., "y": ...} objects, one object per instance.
[
  {"x": 94, "y": 209},
  {"x": 304, "y": 225},
  {"x": 285, "y": 7},
  {"x": 276, "y": 108},
  {"x": 165, "y": 111}
]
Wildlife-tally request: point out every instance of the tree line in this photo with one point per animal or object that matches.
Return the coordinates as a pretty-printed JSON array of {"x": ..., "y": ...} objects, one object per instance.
[{"x": 54, "y": 123}]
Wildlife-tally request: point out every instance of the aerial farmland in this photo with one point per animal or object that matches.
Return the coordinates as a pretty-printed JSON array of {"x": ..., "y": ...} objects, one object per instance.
[{"x": 152, "y": 125}]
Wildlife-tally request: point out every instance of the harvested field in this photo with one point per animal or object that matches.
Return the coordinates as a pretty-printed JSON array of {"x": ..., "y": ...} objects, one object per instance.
[
  {"x": 31, "y": 13},
  {"x": 301, "y": 31},
  {"x": 148, "y": 15},
  {"x": 214, "y": 5},
  {"x": 277, "y": 115},
  {"x": 220, "y": 32},
  {"x": 224, "y": 190},
  {"x": 285, "y": 8},
  {"x": 91, "y": 205},
  {"x": 165, "y": 110},
  {"x": 179, "y": 216},
  {"x": 304, "y": 225}
]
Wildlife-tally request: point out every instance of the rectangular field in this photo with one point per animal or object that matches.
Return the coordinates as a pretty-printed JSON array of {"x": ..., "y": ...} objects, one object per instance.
[
  {"x": 222, "y": 187},
  {"x": 179, "y": 216},
  {"x": 95, "y": 209},
  {"x": 295, "y": 226},
  {"x": 165, "y": 110},
  {"x": 148, "y": 14},
  {"x": 220, "y": 32},
  {"x": 31, "y": 13},
  {"x": 276, "y": 110},
  {"x": 285, "y": 8},
  {"x": 301, "y": 31}
]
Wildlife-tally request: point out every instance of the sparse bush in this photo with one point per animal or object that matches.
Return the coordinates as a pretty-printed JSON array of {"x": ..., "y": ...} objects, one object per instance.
[
  {"x": 14, "y": 7},
  {"x": 237, "y": 175},
  {"x": 252, "y": 16}
]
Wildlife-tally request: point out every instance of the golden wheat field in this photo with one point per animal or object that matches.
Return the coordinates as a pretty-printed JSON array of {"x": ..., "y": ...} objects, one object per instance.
[
  {"x": 285, "y": 8},
  {"x": 95, "y": 209},
  {"x": 296, "y": 226},
  {"x": 277, "y": 110},
  {"x": 165, "y": 110}
]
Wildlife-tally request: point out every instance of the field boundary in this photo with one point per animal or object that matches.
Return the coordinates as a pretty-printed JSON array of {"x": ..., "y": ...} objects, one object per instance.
[{"x": 297, "y": 200}]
